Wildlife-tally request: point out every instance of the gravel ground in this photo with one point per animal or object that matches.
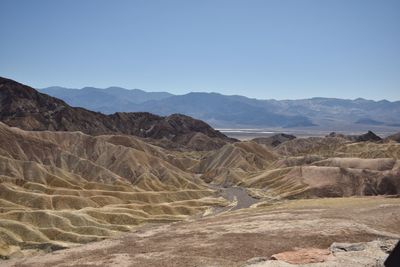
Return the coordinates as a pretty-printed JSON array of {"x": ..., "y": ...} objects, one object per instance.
[{"x": 232, "y": 239}]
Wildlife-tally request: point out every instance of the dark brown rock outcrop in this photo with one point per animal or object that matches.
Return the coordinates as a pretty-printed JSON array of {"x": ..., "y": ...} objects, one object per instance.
[
  {"x": 274, "y": 140},
  {"x": 24, "y": 107},
  {"x": 369, "y": 136}
]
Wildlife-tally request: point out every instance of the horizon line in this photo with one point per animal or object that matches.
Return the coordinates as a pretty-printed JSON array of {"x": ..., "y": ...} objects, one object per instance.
[{"x": 214, "y": 92}]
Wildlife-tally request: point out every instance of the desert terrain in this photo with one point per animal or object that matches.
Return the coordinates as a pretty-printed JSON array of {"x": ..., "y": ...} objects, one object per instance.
[{"x": 87, "y": 189}]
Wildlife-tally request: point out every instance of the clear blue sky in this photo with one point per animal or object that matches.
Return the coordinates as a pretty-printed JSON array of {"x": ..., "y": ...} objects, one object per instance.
[{"x": 283, "y": 49}]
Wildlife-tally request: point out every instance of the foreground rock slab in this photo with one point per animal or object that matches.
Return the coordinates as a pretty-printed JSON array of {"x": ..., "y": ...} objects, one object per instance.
[
  {"x": 370, "y": 254},
  {"x": 305, "y": 255}
]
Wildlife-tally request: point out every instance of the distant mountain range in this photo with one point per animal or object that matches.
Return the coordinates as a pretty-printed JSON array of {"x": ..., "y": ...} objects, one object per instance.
[
  {"x": 24, "y": 107},
  {"x": 239, "y": 111},
  {"x": 110, "y": 100}
]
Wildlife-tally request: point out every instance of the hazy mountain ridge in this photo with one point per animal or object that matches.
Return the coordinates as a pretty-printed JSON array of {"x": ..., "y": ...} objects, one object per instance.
[
  {"x": 223, "y": 110},
  {"x": 109, "y": 100},
  {"x": 24, "y": 107}
]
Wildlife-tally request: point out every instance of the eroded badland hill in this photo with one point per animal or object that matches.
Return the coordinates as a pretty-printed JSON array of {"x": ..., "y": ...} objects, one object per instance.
[{"x": 79, "y": 188}]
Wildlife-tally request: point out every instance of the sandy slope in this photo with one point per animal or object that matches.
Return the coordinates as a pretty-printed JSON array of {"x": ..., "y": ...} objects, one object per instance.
[
  {"x": 234, "y": 238},
  {"x": 62, "y": 189}
]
